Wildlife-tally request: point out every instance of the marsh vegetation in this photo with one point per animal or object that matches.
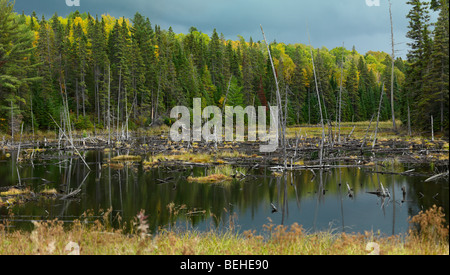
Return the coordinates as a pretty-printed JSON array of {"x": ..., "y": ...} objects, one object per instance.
[{"x": 85, "y": 153}]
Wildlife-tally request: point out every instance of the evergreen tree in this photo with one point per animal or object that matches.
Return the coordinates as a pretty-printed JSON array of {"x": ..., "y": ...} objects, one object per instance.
[
  {"x": 352, "y": 85},
  {"x": 328, "y": 98},
  {"x": 16, "y": 46},
  {"x": 418, "y": 56},
  {"x": 150, "y": 70},
  {"x": 436, "y": 80},
  {"x": 143, "y": 36},
  {"x": 215, "y": 60}
]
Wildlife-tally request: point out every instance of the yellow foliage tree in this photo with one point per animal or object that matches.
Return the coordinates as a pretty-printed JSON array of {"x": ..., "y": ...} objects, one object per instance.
[{"x": 288, "y": 65}]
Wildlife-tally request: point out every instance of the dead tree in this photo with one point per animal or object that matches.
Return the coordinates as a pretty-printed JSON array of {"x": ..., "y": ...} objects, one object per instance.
[
  {"x": 340, "y": 96},
  {"x": 378, "y": 118},
  {"x": 320, "y": 105},
  {"x": 393, "y": 67},
  {"x": 279, "y": 103}
]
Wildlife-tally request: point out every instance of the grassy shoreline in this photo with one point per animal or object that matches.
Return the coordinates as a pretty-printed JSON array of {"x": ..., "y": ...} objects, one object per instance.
[
  {"x": 427, "y": 236},
  {"x": 357, "y": 130}
]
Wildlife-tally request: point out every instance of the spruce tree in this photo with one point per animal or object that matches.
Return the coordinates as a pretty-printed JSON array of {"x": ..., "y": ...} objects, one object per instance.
[
  {"x": 16, "y": 46},
  {"x": 418, "y": 56},
  {"x": 436, "y": 85},
  {"x": 353, "y": 92}
]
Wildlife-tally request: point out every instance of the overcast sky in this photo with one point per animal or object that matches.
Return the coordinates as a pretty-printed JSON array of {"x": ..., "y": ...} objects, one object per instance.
[{"x": 330, "y": 23}]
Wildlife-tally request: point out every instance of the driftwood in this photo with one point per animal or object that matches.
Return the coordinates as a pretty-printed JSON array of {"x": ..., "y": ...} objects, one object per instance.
[
  {"x": 350, "y": 191},
  {"x": 75, "y": 193},
  {"x": 71, "y": 142},
  {"x": 436, "y": 177},
  {"x": 71, "y": 195},
  {"x": 164, "y": 181}
]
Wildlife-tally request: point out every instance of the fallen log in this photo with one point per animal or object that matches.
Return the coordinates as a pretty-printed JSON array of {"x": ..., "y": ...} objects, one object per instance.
[
  {"x": 71, "y": 195},
  {"x": 436, "y": 177}
]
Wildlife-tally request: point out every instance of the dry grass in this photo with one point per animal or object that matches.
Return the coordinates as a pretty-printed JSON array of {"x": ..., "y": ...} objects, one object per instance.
[
  {"x": 16, "y": 196},
  {"x": 183, "y": 158},
  {"x": 191, "y": 157},
  {"x": 427, "y": 236},
  {"x": 14, "y": 192},
  {"x": 429, "y": 226},
  {"x": 13, "y": 196},
  {"x": 49, "y": 192},
  {"x": 214, "y": 178},
  {"x": 220, "y": 174},
  {"x": 385, "y": 131},
  {"x": 127, "y": 158}
]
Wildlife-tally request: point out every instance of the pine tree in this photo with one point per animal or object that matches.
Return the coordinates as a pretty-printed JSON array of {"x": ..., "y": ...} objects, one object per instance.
[
  {"x": 15, "y": 52},
  {"x": 143, "y": 36},
  {"x": 418, "y": 56},
  {"x": 436, "y": 85},
  {"x": 80, "y": 46},
  {"x": 366, "y": 88},
  {"x": 352, "y": 85},
  {"x": 215, "y": 60},
  {"x": 98, "y": 63},
  {"x": 235, "y": 96},
  {"x": 151, "y": 70},
  {"x": 328, "y": 98},
  {"x": 299, "y": 86},
  {"x": 15, "y": 49}
]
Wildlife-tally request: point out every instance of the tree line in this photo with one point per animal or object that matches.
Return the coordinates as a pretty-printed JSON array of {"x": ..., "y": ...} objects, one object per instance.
[{"x": 107, "y": 72}]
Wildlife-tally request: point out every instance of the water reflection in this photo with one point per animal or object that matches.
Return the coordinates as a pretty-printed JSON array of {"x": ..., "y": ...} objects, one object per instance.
[{"x": 344, "y": 199}]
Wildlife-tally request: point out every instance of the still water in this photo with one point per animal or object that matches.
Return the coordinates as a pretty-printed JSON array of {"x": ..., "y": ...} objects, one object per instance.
[{"x": 318, "y": 200}]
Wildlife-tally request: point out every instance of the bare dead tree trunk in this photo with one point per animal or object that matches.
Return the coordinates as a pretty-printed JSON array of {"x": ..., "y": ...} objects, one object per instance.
[
  {"x": 409, "y": 121},
  {"x": 118, "y": 104},
  {"x": 83, "y": 97},
  {"x": 279, "y": 104},
  {"x": 432, "y": 128},
  {"x": 442, "y": 100},
  {"x": 126, "y": 117},
  {"x": 340, "y": 96},
  {"x": 12, "y": 123},
  {"x": 378, "y": 118},
  {"x": 394, "y": 125},
  {"x": 32, "y": 115},
  {"x": 76, "y": 96},
  {"x": 320, "y": 104},
  {"x": 71, "y": 142},
  {"x": 155, "y": 114},
  {"x": 226, "y": 96},
  {"x": 97, "y": 93},
  {"x": 20, "y": 143},
  {"x": 109, "y": 104},
  {"x": 367, "y": 132}
]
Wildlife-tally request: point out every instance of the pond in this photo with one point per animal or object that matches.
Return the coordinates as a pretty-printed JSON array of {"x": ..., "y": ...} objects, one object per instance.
[{"x": 319, "y": 200}]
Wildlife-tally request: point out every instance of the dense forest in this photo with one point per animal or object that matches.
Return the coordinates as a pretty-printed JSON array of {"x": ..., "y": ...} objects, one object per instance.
[{"x": 113, "y": 71}]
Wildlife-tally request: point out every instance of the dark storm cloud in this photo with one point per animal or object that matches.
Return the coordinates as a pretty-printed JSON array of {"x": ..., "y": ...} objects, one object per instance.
[{"x": 330, "y": 23}]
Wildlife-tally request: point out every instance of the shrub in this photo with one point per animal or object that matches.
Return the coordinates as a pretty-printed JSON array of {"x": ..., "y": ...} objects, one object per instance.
[
  {"x": 430, "y": 225},
  {"x": 83, "y": 123}
]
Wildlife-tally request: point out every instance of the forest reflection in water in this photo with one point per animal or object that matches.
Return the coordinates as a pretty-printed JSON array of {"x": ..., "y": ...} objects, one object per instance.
[{"x": 338, "y": 199}]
